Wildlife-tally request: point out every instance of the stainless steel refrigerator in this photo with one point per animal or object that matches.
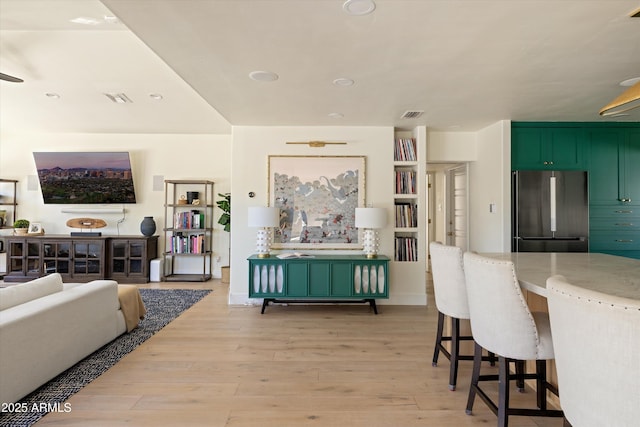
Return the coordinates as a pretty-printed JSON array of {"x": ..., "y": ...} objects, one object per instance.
[{"x": 550, "y": 211}]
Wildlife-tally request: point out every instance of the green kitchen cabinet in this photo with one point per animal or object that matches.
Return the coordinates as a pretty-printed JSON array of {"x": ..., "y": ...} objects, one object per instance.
[
  {"x": 614, "y": 174},
  {"x": 614, "y": 191},
  {"x": 322, "y": 278},
  {"x": 547, "y": 148}
]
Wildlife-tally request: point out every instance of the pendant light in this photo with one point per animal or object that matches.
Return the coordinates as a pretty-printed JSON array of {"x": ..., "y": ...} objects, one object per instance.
[{"x": 628, "y": 100}]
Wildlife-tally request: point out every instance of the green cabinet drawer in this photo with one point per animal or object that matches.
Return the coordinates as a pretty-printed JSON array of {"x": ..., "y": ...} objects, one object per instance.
[
  {"x": 621, "y": 224},
  {"x": 614, "y": 240},
  {"x": 614, "y": 211}
]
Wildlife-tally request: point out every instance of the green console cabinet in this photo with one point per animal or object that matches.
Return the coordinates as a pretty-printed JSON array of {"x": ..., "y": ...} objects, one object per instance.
[{"x": 322, "y": 278}]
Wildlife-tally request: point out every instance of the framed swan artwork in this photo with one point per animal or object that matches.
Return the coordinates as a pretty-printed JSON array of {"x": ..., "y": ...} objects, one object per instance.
[{"x": 317, "y": 197}]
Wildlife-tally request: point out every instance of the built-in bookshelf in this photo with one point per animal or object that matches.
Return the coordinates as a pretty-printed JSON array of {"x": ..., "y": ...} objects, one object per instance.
[
  {"x": 188, "y": 230},
  {"x": 408, "y": 266},
  {"x": 406, "y": 199}
]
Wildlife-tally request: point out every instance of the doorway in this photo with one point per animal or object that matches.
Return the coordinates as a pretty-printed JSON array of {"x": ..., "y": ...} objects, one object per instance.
[{"x": 448, "y": 201}]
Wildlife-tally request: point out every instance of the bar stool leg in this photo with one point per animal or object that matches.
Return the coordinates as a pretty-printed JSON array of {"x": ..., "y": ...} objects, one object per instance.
[
  {"x": 475, "y": 376},
  {"x": 455, "y": 353},
  {"x": 541, "y": 383},
  {"x": 436, "y": 351},
  {"x": 503, "y": 391},
  {"x": 520, "y": 372}
]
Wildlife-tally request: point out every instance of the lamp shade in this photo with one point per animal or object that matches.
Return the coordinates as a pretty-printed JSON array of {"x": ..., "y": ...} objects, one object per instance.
[
  {"x": 371, "y": 217},
  {"x": 260, "y": 216},
  {"x": 628, "y": 100}
]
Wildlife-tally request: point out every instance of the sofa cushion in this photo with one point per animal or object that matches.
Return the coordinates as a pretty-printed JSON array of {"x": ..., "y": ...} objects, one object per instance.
[{"x": 24, "y": 292}]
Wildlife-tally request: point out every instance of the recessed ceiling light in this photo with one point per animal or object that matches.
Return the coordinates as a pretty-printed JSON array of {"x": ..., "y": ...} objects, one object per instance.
[
  {"x": 359, "y": 7},
  {"x": 630, "y": 82},
  {"x": 111, "y": 19},
  {"x": 343, "y": 81},
  {"x": 52, "y": 95},
  {"x": 336, "y": 115},
  {"x": 263, "y": 76},
  {"x": 85, "y": 21},
  {"x": 156, "y": 96}
]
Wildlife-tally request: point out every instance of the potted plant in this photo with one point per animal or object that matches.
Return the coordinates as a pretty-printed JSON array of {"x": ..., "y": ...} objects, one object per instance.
[
  {"x": 225, "y": 220},
  {"x": 21, "y": 227}
]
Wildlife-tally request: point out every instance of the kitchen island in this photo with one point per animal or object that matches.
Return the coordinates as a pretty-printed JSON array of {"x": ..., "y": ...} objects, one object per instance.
[{"x": 610, "y": 274}]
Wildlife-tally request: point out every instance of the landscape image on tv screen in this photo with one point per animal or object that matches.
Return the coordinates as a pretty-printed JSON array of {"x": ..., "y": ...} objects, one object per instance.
[{"x": 85, "y": 177}]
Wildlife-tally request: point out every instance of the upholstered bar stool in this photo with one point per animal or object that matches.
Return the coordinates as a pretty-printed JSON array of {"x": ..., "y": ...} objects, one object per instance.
[
  {"x": 451, "y": 300},
  {"x": 503, "y": 324},
  {"x": 596, "y": 339}
]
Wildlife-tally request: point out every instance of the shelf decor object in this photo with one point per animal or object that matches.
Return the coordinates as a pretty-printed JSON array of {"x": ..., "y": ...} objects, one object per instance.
[
  {"x": 264, "y": 218},
  {"x": 148, "y": 226},
  {"x": 371, "y": 219},
  {"x": 317, "y": 197}
]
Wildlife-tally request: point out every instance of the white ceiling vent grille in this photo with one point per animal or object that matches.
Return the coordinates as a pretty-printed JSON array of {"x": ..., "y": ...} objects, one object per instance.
[
  {"x": 412, "y": 114},
  {"x": 118, "y": 98}
]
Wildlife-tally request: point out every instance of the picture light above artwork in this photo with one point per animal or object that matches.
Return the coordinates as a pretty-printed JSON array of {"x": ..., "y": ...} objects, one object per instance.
[{"x": 317, "y": 144}]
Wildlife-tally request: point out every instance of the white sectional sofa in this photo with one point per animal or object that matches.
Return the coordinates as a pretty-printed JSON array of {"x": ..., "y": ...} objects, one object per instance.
[{"x": 47, "y": 326}]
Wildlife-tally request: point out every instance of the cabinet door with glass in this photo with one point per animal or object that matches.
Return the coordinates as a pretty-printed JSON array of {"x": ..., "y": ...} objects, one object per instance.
[
  {"x": 129, "y": 258},
  {"x": 87, "y": 259},
  {"x": 23, "y": 259},
  {"x": 56, "y": 257}
]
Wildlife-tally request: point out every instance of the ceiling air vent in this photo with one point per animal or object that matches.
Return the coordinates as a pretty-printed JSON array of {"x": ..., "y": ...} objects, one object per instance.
[
  {"x": 411, "y": 114},
  {"x": 118, "y": 98}
]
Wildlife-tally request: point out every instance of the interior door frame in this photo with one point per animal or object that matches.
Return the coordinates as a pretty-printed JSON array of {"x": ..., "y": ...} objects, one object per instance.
[{"x": 452, "y": 209}]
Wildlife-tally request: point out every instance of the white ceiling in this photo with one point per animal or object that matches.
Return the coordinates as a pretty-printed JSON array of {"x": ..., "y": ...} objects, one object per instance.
[{"x": 466, "y": 63}]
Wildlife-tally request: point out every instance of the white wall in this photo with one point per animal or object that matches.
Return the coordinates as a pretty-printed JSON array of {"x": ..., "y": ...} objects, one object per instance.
[
  {"x": 490, "y": 183},
  {"x": 251, "y": 148},
  {"x": 452, "y": 147},
  {"x": 169, "y": 156},
  {"x": 238, "y": 163}
]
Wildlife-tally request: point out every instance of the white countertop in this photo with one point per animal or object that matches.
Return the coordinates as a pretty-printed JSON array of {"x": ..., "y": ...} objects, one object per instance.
[{"x": 609, "y": 274}]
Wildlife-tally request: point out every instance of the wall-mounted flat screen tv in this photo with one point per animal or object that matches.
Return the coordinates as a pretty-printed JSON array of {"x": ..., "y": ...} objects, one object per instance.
[{"x": 85, "y": 177}]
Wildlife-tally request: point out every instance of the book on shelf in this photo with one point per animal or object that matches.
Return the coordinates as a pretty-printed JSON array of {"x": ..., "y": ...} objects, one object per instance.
[
  {"x": 286, "y": 255},
  {"x": 406, "y": 249},
  {"x": 405, "y": 182},
  {"x": 188, "y": 220},
  {"x": 192, "y": 244},
  {"x": 406, "y": 215},
  {"x": 405, "y": 150}
]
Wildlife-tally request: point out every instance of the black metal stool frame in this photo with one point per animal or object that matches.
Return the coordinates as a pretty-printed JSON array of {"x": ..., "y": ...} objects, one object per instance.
[
  {"x": 454, "y": 356},
  {"x": 502, "y": 409}
]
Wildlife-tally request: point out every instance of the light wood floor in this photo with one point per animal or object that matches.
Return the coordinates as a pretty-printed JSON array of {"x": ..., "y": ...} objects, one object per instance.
[{"x": 322, "y": 365}]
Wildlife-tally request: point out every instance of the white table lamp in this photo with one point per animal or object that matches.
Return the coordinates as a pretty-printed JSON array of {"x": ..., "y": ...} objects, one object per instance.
[
  {"x": 371, "y": 219},
  {"x": 264, "y": 218}
]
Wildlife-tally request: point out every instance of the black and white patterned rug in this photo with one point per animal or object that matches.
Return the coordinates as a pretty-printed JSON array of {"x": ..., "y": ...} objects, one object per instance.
[{"x": 163, "y": 306}]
